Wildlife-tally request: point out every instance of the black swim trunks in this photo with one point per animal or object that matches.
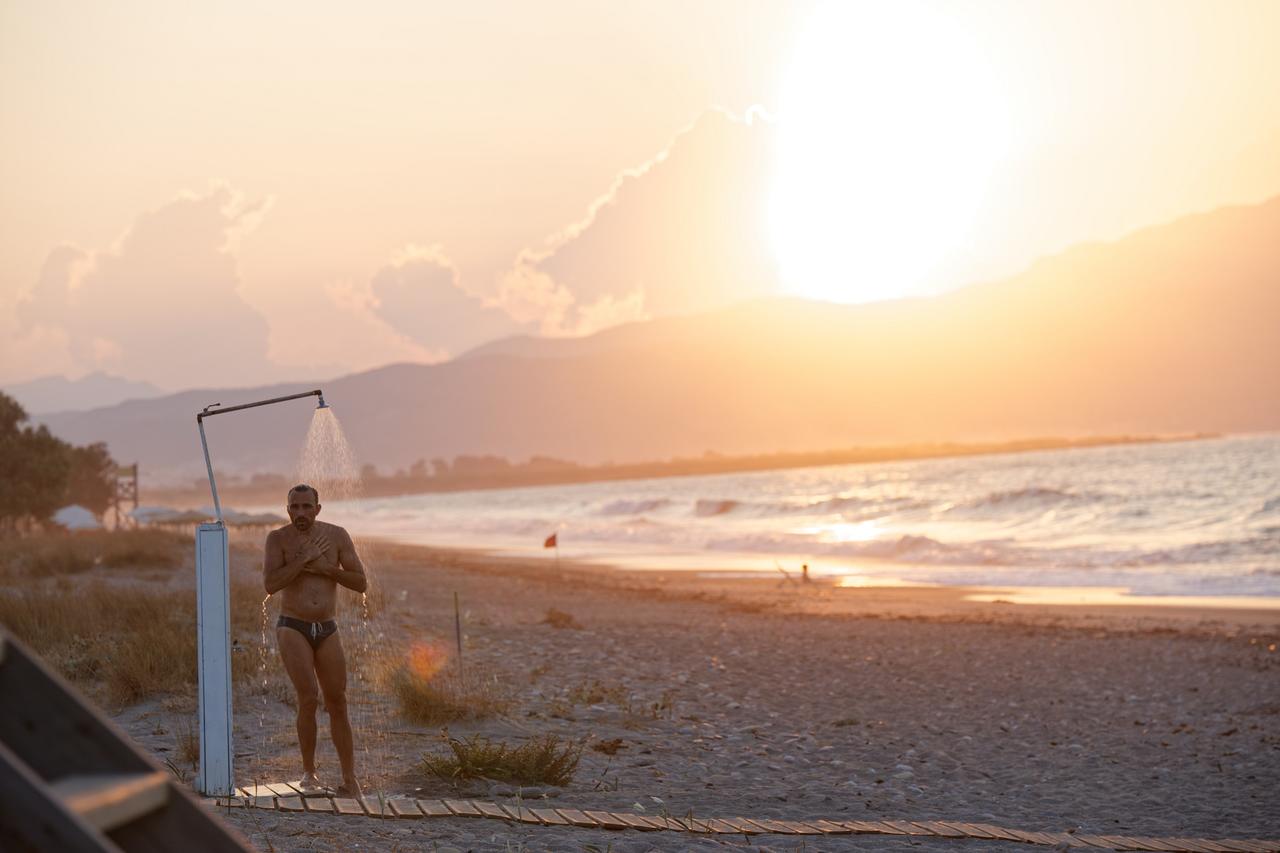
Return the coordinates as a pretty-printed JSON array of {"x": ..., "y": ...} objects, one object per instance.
[{"x": 315, "y": 632}]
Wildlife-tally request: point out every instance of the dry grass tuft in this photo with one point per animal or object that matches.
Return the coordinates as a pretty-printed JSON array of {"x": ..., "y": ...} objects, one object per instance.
[
  {"x": 189, "y": 744},
  {"x": 560, "y": 620},
  {"x": 595, "y": 692},
  {"x": 130, "y": 642},
  {"x": 444, "y": 697},
  {"x": 50, "y": 554},
  {"x": 544, "y": 760},
  {"x": 609, "y": 747}
]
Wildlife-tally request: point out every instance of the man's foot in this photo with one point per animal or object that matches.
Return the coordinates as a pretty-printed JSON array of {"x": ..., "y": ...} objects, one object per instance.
[
  {"x": 349, "y": 788},
  {"x": 311, "y": 784}
]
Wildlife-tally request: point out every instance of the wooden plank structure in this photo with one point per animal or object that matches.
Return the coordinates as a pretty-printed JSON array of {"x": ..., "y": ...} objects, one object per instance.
[
  {"x": 565, "y": 817},
  {"x": 405, "y": 808},
  {"x": 491, "y": 810},
  {"x": 71, "y": 781},
  {"x": 434, "y": 808},
  {"x": 522, "y": 814},
  {"x": 463, "y": 808},
  {"x": 348, "y": 806}
]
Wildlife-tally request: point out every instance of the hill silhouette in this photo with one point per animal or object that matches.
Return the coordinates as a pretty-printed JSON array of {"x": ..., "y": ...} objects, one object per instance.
[
  {"x": 59, "y": 394},
  {"x": 1169, "y": 330}
]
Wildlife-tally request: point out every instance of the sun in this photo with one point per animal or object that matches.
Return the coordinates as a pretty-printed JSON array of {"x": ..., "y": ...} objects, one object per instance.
[{"x": 890, "y": 127}]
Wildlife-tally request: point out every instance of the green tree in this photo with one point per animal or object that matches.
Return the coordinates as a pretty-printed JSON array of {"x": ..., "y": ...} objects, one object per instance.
[
  {"x": 91, "y": 482},
  {"x": 33, "y": 467},
  {"x": 40, "y": 473}
]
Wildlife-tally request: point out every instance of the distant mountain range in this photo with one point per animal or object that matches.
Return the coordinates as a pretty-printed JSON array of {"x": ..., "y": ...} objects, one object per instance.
[
  {"x": 1174, "y": 328},
  {"x": 59, "y": 394}
]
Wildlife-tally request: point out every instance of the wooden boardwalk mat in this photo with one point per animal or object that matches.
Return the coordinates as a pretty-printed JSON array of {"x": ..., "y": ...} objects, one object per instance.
[
  {"x": 434, "y": 808},
  {"x": 348, "y": 805},
  {"x": 405, "y": 808},
  {"x": 285, "y": 797},
  {"x": 522, "y": 814}
]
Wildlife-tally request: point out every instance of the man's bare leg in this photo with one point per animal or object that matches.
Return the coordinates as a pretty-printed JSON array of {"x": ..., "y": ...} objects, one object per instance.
[
  {"x": 331, "y": 668},
  {"x": 299, "y": 663}
]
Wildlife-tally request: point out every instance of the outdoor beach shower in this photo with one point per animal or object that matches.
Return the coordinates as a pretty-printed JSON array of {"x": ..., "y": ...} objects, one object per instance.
[{"x": 213, "y": 622}]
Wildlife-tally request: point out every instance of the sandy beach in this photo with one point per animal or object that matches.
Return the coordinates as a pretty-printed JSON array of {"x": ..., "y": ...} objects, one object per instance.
[{"x": 769, "y": 698}]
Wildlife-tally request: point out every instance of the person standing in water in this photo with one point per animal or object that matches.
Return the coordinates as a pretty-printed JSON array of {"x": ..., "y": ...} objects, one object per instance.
[{"x": 308, "y": 560}]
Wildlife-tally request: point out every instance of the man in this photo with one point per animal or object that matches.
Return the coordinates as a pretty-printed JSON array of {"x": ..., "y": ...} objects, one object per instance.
[{"x": 308, "y": 559}]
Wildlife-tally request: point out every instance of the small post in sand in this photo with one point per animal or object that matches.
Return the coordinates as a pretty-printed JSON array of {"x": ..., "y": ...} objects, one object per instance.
[{"x": 457, "y": 630}]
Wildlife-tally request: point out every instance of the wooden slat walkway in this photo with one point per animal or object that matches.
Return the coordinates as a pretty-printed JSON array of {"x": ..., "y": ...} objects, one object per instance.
[{"x": 406, "y": 808}]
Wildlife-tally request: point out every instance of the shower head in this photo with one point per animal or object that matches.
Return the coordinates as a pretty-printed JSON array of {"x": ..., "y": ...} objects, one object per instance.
[{"x": 218, "y": 409}]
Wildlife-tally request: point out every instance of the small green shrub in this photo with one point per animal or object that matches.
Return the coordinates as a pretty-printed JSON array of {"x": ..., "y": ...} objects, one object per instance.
[{"x": 544, "y": 760}]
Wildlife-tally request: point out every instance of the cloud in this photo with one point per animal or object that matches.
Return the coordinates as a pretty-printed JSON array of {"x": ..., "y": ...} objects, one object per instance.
[
  {"x": 162, "y": 304},
  {"x": 684, "y": 232},
  {"x": 419, "y": 295},
  {"x": 166, "y": 304},
  {"x": 413, "y": 309},
  {"x": 336, "y": 330}
]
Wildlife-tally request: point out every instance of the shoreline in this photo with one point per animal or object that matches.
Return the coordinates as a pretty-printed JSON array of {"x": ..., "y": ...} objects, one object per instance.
[{"x": 825, "y": 596}]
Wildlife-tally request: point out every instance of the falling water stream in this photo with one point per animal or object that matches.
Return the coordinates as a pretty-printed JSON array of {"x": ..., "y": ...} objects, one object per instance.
[{"x": 328, "y": 463}]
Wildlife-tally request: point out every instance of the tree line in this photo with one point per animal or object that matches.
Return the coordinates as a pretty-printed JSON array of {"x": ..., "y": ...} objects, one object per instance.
[{"x": 40, "y": 473}]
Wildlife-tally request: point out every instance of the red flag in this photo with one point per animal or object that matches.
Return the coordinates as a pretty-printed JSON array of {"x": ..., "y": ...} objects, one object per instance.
[{"x": 551, "y": 541}]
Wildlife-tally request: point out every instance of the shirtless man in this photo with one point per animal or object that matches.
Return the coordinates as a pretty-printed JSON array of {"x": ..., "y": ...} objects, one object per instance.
[{"x": 308, "y": 559}]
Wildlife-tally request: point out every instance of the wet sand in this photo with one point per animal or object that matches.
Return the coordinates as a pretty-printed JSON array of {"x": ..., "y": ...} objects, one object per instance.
[{"x": 769, "y": 698}]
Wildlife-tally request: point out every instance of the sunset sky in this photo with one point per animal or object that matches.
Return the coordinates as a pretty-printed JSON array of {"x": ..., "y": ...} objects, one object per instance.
[{"x": 237, "y": 193}]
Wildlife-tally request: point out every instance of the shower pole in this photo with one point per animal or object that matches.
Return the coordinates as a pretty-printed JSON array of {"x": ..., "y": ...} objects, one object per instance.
[{"x": 213, "y": 624}]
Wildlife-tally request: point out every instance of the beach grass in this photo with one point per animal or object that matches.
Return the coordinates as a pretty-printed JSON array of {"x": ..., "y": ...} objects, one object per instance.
[
  {"x": 126, "y": 638},
  {"x": 132, "y": 642},
  {"x": 52, "y": 554},
  {"x": 547, "y": 759}
]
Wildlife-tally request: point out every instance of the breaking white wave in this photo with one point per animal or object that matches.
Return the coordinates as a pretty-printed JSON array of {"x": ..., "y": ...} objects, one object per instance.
[{"x": 626, "y": 507}]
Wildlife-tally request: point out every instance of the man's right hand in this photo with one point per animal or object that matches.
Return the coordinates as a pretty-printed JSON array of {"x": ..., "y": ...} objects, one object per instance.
[{"x": 312, "y": 550}]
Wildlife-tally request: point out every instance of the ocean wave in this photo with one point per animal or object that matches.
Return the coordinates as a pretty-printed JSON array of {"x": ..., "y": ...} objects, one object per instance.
[
  {"x": 908, "y": 548},
  {"x": 708, "y": 508},
  {"x": 848, "y": 506},
  {"x": 856, "y": 507},
  {"x": 1031, "y": 497},
  {"x": 1213, "y": 551},
  {"x": 928, "y": 550},
  {"x": 633, "y": 507}
]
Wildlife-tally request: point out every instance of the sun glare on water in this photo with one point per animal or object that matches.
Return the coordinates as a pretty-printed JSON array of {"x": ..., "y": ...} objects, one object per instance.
[{"x": 890, "y": 127}]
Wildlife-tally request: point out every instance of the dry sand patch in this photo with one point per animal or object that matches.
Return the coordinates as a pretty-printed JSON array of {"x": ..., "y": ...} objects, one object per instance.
[{"x": 730, "y": 697}]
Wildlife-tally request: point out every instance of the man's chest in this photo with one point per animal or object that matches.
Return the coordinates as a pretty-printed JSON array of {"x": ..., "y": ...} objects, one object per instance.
[{"x": 293, "y": 544}]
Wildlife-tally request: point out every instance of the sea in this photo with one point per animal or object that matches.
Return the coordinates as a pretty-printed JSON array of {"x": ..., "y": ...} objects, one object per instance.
[{"x": 1184, "y": 518}]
